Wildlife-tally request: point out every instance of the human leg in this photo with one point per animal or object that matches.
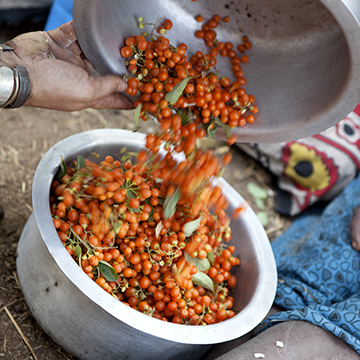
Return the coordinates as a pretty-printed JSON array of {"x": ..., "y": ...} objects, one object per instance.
[{"x": 298, "y": 340}]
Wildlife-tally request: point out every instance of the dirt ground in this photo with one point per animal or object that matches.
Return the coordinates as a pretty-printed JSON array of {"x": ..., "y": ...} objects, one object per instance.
[{"x": 25, "y": 136}]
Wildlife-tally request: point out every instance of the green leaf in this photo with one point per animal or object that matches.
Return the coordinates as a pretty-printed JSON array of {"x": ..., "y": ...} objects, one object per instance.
[
  {"x": 211, "y": 132},
  {"x": 256, "y": 191},
  {"x": 203, "y": 280},
  {"x": 130, "y": 193},
  {"x": 63, "y": 169},
  {"x": 81, "y": 163},
  {"x": 185, "y": 116},
  {"x": 191, "y": 226},
  {"x": 210, "y": 128},
  {"x": 227, "y": 128},
  {"x": 201, "y": 264},
  {"x": 123, "y": 150},
  {"x": 263, "y": 218},
  {"x": 137, "y": 114},
  {"x": 170, "y": 204},
  {"x": 78, "y": 251},
  {"x": 107, "y": 271},
  {"x": 173, "y": 96},
  {"x": 211, "y": 257},
  {"x": 260, "y": 203},
  {"x": 117, "y": 226}
]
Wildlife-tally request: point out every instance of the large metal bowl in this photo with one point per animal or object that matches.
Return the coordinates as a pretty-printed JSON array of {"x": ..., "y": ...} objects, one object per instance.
[
  {"x": 304, "y": 67},
  {"x": 87, "y": 322}
]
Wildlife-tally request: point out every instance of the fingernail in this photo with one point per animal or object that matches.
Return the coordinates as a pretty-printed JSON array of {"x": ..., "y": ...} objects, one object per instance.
[{"x": 122, "y": 86}]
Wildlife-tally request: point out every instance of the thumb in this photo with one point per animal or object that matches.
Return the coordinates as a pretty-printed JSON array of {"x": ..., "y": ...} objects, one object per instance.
[
  {"x": 113, "y": 101},
  {"x": 107, "y": 85}
]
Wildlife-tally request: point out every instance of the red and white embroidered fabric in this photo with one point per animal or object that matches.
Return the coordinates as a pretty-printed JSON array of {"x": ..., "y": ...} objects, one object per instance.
[{"x": 314, "y": 168}]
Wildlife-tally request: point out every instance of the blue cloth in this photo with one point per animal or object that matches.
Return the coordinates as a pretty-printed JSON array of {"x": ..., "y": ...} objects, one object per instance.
[
  {"x": 319, "y": 271},
  {"x": 60, "y": 13}
]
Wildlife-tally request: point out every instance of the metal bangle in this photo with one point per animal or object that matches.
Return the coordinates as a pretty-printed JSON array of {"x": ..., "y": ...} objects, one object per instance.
[
  {"x": 15, "y": 91},
  {"x": 7, "y": 85},
  {"x": 23, "y": 89}
]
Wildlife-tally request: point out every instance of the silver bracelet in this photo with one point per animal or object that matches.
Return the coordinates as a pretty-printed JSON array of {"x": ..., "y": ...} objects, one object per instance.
[
  {"x": 24, "y": 88},
  {"x": 7, "y": 85},
  {"x": 14, "y": 87}
]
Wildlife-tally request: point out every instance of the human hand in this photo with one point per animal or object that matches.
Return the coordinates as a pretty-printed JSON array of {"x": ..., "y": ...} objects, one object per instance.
[
  {"x": 60, "y": 75},
  {"x": 355, "y": 229}
]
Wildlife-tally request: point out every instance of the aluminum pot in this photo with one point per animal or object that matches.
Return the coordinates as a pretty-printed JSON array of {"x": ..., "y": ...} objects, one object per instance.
[
  {"x": 89, "y": 323},
  {"x": 304, "y": 67}
]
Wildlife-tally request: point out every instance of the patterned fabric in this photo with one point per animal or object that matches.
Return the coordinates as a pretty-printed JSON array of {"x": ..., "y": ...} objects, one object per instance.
[
  {"x": 314, "y": 168},
  {"x": 319, "y": 271}
]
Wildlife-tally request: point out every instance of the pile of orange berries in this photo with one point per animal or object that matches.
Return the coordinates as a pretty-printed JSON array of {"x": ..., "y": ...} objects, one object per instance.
[
  {"x": 155, "y": 256},
  {"x": 190, "y": 180},
  {"x": 189, "y": 99},
  {"x": 169, "y": 83}
]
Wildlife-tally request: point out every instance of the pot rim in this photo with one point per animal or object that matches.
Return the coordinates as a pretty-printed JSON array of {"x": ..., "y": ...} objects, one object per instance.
[{"x": 235, "y": 327}]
